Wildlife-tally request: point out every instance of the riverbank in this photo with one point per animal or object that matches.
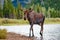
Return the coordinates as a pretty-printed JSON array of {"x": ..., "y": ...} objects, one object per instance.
[
  {"x": 5, "y": 21},
  {"x": 14, "y": 36}
]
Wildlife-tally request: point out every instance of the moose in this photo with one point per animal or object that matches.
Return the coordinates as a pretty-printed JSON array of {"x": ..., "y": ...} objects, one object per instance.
[{"x": 34, "y": 18}]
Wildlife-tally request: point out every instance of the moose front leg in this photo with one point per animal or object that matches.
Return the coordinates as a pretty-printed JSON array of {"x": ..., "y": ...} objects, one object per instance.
[{"x": 31, "y": 30}]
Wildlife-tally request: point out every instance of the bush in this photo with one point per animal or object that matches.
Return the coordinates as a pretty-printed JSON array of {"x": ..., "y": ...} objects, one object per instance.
[
  {"x": 3, "y": 33},
  {"x": 12, "y": 21}
]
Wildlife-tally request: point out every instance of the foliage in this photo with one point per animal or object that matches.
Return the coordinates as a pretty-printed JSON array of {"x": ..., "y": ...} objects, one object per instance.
[
  {"x": 52, "y": 21},
  {"x": 21, "y": 21},
  {"x": 19, "y": 14},
  {"x": 3, "y": 33},
  {"x": 12, "y": 21},
  {"x": 50, "y": 8},
  {"x": 47, "y": 7},
  {"x": 52, "y": 3},
  {"x": 5, "y": 8},
  {"x": 1, "y": 12}
]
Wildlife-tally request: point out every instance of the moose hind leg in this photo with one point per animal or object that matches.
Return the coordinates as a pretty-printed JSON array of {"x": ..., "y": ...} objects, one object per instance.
[{"x": 41, "y": 31}]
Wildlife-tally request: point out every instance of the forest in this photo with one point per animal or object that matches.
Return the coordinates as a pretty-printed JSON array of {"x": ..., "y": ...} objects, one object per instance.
[{"x": 50, "y": 8}]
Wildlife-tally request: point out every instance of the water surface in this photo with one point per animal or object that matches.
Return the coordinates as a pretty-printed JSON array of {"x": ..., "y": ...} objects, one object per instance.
[{"x": 51, "y": 31}]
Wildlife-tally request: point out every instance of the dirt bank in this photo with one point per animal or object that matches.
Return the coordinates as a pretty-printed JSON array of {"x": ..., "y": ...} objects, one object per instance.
[{"x": 14, "y": 36}]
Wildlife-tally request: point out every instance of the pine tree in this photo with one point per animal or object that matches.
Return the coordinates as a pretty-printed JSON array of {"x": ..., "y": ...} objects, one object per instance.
[
  {"x": 5, "y": 9},
  {"x": 1, "y": 9},
  {"x": 8, "y": 9},
  {"x": 11, "y": 9},
  {"x": 19, "y": 14}
]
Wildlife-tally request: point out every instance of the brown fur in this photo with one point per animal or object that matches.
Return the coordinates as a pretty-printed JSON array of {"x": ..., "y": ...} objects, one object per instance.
[{"x": 34, "y": 18}]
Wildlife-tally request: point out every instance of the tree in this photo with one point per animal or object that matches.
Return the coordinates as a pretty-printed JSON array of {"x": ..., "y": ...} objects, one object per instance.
[
  {"x": 0, "y": 6},
  {"x": 11, "y": 9},
  {"x": 52, "y": 3},
  {"x": 5, "y": 9},
  {"x": 1, "y": 10},
  {"x": 8, "y": 9},
  {"x": 19, "y": 14}
]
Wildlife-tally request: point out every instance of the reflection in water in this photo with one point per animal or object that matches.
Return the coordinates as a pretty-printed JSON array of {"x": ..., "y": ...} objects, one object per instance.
[{"x": 41, "y": 37}]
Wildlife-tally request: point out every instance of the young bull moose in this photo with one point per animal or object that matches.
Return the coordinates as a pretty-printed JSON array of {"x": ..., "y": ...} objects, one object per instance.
[{"x": 34, "y": 18}]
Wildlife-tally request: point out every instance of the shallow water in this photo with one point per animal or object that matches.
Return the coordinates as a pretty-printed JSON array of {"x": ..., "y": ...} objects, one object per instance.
[{"x": 51, "y": 31}]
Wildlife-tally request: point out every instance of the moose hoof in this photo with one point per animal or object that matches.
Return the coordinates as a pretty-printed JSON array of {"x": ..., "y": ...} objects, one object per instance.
[
  {"x": 32, "y": 35},
  {"x": 29, "y": 35}
]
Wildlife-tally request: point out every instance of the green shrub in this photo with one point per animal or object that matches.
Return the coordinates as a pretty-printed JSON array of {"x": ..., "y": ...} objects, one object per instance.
[{"x": 3, "y": 33}]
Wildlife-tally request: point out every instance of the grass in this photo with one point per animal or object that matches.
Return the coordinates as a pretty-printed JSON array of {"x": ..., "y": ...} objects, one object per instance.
[
  {"x": 52, "y": 21},
  {"x": 4, "y": 21},
  {"x": 3, "y": 33}
]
